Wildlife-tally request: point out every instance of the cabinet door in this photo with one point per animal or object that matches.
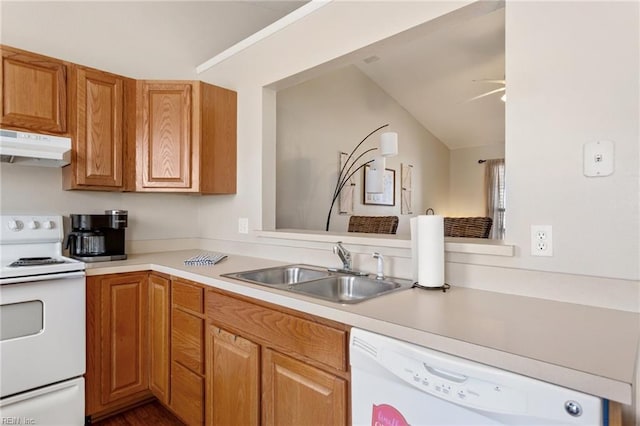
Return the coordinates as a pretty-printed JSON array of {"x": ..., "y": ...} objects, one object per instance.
[
  {"x": 34, "y": 92},
  {"x": 165, "y": 136},
  {"x": 233, "y": 379},
  {"x": 295, "y": 393},
  {"x": 159, "y": 337},
  {"x": 99, "y": 149},
  {"x": 124, "y": 308}
]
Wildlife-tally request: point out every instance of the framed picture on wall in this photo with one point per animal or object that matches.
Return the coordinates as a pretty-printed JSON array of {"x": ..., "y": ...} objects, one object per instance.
[{"x": 385, "y": 198}]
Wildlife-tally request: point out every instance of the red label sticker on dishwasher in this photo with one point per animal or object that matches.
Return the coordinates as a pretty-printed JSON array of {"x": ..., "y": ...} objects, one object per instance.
[{"x": 386, "y": 415}]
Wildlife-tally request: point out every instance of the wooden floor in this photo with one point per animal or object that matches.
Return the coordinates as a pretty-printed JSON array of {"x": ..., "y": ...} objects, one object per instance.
[{"x": 149, "y": 414}]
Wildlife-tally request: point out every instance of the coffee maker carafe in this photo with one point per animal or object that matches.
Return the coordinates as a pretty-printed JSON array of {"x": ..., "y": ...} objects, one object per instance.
[{"x": 98, "y": 237}]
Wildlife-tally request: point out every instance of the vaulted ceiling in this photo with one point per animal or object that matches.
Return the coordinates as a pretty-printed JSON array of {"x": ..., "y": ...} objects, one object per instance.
[
  {"x": 429, "y": 72},
  {"x": 434, "y": 74}
]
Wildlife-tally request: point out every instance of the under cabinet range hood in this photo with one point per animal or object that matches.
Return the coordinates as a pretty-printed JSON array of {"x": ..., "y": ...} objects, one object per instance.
[{"x": 31, "y": 149}]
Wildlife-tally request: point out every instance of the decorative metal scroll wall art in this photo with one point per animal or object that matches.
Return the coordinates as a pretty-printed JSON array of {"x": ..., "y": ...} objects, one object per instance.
[{"x": 406, "y": 185}]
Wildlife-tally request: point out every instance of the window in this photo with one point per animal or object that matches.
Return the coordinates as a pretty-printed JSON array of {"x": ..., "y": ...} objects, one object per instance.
[{"x": 494, "y": 188}]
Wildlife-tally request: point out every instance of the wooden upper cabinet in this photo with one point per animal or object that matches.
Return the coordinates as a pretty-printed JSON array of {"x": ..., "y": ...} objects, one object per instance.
[
  {"x": 34, "y": 92},
  {"x": 167, "y": 138},
  {"x": 186, "y": 134},
  {"x": 100, "y": 118}
]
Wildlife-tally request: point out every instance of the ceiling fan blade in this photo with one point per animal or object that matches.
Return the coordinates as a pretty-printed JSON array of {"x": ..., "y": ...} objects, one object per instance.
[
  {"x": 491, "y": 81},
  {"x": 491, "y": 92}
]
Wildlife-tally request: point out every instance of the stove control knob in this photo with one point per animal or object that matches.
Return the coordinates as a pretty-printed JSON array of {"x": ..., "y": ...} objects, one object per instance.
[
  {"x": 47, "y": 224},
  {"x": 33, "y": 224},
  {"x": 15, "y": 225}
]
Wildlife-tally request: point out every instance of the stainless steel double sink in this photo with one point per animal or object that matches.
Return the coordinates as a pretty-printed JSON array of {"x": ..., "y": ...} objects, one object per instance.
[{"x": 321, "y": 283}]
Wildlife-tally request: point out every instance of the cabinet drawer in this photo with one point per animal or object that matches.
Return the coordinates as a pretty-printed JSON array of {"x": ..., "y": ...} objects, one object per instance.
[
  {"x": 187, "y": 393},
  {"x": 188, "y": 296},
  {"x": 186, "y": 339},
  {"x": 280, "y": 330}
]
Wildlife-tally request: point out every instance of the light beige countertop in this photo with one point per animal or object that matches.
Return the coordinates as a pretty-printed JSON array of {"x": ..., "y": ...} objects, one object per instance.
[{"x": 590, "y": 349}]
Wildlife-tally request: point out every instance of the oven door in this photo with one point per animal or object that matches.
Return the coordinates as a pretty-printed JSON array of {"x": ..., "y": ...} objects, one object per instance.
[{"x": 42, "y": 331}]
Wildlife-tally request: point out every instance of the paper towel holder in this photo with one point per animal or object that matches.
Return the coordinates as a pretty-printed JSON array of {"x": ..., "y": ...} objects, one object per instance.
[{"x": 444, "y": 287}]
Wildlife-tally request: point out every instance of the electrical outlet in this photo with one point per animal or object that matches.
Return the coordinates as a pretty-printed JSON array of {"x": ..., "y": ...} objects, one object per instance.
[
  {"x": 541, "y": 240},
  {"x": 243, "y": 225}
]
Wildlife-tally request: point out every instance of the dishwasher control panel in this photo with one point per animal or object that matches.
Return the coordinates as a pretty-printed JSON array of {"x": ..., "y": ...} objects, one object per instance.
[{"x": 453, "y": 385}]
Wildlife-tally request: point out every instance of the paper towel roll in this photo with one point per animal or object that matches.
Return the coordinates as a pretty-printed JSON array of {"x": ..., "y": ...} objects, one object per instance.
[
  {"x": 430, "y": 238},
  {"x": 413, "y": 223}
]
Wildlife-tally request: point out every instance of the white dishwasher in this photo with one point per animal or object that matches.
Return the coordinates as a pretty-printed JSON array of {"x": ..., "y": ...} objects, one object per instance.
[{"x": 394, "y": 383}]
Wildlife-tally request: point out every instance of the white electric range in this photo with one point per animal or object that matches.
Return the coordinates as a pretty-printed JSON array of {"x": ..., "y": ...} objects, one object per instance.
[{"x": 42, "y": 324}]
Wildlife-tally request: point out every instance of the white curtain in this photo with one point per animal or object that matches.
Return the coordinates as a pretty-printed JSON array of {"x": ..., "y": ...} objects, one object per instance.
[{"x": 494, "y": 190}]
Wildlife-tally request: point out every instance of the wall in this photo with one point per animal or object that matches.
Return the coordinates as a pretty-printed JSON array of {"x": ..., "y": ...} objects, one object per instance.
[
  {"x": 321, "y": 117},
  {"x": 565, "y": 88},
  {"x": 557, "y": 101},
  {"x": 37, "y": 190},
  {"x": 299, "y": 47},
  {"x": 569, "y": 85},
  {"x": 146, "y": 40},
  {"x": 572, "y": 76},
  {"x": 466, "y": 179}
]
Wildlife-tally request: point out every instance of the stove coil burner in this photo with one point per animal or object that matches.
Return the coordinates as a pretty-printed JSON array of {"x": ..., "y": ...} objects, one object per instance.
[{"x": 35, "y": 261}]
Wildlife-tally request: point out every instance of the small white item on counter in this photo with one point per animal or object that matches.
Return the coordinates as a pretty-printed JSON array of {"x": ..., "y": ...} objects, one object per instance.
[
  {"x": 413, "y": 224},
  {"x": 205, "y": 259},
  {"x": 427, "y": 245}
]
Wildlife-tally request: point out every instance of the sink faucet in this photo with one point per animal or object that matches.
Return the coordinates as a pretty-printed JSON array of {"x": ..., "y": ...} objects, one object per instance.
[
  {"x": 344, "y": 255},
  {"x": 380, "y": 274}
]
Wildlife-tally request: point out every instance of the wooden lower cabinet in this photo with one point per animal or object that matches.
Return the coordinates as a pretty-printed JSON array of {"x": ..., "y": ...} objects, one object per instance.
[
  {"x": 187, "y": 351},
  {"x": 272, "y": 366},
  {"x": 209, "y": 356},
  {"x": 213, "y": 357},
  {"x": 159, "y": 336},
  {"x": 295, "y": 393},
  {"x": 233, "y": 379},
  {"x": 117, "y": 344}
]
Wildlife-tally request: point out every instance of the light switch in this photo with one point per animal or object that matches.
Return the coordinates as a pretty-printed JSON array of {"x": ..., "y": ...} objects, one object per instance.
[{"x": 598, "y": 158}]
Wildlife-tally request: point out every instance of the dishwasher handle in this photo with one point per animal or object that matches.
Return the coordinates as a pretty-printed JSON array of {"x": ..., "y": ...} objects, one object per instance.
[{"x": 458, "y": 378}]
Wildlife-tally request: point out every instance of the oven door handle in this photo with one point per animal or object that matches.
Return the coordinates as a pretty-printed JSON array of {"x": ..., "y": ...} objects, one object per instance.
[{"x": 43, "y": 277}]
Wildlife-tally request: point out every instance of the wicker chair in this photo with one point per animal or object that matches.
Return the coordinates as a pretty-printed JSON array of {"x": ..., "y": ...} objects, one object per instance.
[
  {"x": 374, "y": 224},
  {"x": 470, "y": 227}
]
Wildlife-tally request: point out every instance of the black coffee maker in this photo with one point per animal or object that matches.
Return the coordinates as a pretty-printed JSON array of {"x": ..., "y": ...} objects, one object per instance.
[{"x": 97, "y": 237}]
